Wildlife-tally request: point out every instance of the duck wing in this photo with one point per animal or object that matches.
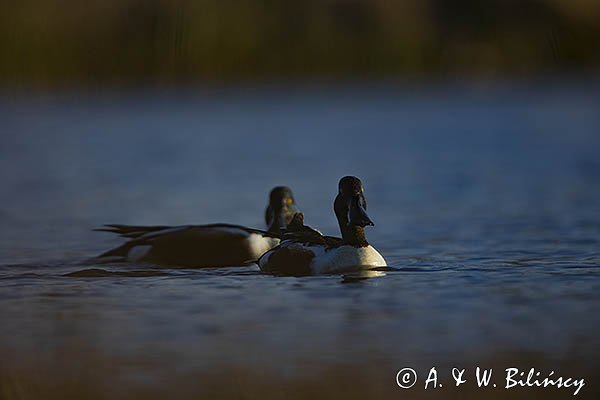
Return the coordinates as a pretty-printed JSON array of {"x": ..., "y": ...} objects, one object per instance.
[{"x": 298, "y": 232}]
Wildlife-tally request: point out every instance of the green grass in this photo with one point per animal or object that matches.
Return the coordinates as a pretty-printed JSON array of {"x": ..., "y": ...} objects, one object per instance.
[{"x": 132, "y": 42}]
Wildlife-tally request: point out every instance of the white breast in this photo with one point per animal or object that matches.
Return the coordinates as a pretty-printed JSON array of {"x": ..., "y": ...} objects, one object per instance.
[
  {"x": 259, "y": 244},
  {"x": 345, "y": 258}
]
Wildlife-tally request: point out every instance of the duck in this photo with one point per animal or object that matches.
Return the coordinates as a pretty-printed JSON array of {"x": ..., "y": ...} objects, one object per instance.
[
  {"x": 306, "y": 251},
  {"x": 211, "y": 245}
]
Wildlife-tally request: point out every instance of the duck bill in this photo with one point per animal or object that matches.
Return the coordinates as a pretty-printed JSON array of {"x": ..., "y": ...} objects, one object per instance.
[{"x": 357, "y": 215}]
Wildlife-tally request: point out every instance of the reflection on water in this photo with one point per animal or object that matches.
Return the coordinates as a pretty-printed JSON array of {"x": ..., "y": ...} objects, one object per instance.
[
  {"x": 485, "y": 204},
  {"x": 363, "y": 274},
  {"x": 98, "y": 272}
]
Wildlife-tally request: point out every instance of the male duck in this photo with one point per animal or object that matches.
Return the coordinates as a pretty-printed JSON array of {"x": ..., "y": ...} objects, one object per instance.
[
  {"x": 305, "y": 251},
  {"x": 213, "y": 245}
]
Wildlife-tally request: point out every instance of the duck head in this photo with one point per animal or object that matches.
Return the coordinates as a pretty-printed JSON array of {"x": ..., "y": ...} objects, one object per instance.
[
  {"x": 350, "y": 208},
  {"x": 282, "y": 208}
]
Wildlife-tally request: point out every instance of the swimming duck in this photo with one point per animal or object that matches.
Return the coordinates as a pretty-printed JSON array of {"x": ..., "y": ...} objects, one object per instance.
[
  {"x": 213, "y": 245},
  {"x": 306, "y": 251}
]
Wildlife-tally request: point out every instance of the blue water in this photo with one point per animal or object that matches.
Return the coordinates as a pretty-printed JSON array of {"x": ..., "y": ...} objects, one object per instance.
[{"x": 486, "y": 200}]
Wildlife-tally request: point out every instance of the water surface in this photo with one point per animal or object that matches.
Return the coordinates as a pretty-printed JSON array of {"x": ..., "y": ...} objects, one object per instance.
[{"x": 485, "y": 200}]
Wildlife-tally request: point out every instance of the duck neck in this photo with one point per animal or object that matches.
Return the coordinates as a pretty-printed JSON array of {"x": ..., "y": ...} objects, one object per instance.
[
  {"x": 278, "y": 223},
  {"x": 354, "y": 235}
]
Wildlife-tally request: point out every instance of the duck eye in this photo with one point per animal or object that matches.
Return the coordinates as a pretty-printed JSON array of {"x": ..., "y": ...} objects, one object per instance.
[{"x": 289, "y": 201}]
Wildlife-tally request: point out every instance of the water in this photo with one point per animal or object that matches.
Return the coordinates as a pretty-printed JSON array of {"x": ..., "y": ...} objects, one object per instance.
[{"x": 485, "y": 200}]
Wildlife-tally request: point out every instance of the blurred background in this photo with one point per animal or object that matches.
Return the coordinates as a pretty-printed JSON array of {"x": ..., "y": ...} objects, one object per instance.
[
  {"x": 474, "y": 125},
  {"x": 56, "y": 43}
]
